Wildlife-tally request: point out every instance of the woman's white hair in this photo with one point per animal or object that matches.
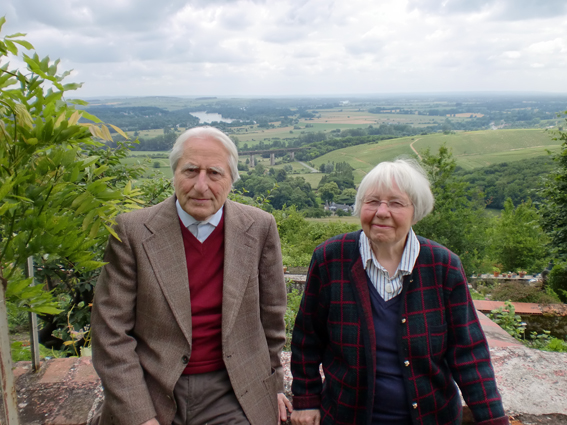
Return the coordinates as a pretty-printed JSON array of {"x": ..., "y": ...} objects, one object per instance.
[
  {"x": 410, "y": 178},
  {"x": 206, "y": 131}
]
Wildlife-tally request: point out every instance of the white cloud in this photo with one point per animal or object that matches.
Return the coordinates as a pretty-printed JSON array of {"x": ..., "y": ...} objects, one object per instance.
[{"x": 139, "y": 47}]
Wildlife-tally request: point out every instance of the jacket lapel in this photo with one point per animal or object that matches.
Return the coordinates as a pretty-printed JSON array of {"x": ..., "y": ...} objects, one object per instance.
[
  {"x": 239, "y": 262},
  {"x": 166, "y": 255}
]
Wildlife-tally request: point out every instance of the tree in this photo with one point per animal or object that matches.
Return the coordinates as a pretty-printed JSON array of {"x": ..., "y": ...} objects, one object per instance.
[
  {"x": 61, "y": 186},
  {"x": 458, "y": 220},
  {"x": 554, "y": 209},
  {"x": 328, "y": 191},
  {"x": 518, "y": 242},
  {"x": 347, "y": 196}
]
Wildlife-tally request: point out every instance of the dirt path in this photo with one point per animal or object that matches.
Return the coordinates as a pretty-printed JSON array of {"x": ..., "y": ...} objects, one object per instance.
[{"x": 413, "y": 149}]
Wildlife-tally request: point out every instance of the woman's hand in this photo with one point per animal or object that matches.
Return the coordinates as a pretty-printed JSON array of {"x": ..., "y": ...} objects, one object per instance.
[
  {"x": 151, "y": 422},
  {"x": 306, "y": 417},
  {"x": 283, "y": 402}
]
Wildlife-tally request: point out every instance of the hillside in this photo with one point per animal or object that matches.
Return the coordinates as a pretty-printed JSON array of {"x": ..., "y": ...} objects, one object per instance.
[{"x": 470, "y": 149}]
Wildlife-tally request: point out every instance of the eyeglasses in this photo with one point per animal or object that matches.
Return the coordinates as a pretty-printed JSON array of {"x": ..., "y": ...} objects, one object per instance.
[{"x": 393, "y": 204}]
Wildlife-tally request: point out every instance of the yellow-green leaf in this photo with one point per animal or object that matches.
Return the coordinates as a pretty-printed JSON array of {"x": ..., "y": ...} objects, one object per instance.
[
  {"x": 112, "y": 232},
  {"x": 119, "y": 131},
  {"x": 74, "y": 119}
]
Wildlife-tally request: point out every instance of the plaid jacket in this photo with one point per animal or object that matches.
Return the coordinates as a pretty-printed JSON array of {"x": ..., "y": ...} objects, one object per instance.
[{"x": 439, "y": 337}]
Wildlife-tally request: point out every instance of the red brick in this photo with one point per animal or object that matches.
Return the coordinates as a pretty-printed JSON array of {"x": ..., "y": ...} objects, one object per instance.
[
  {"x": 57, "y": 370},
  {"x": 85, "y": 371}
]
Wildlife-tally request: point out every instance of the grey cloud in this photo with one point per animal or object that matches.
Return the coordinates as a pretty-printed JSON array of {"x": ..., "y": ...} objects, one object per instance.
[{"x": 498, "y": 9}]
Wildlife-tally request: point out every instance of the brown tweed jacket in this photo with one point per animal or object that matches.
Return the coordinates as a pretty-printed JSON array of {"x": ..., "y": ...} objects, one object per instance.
[{"x": 141, "y": 317}]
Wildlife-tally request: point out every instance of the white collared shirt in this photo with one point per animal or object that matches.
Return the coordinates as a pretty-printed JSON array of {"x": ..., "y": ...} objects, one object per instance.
[
  {"x": 389, "y": 287},
  {"x": 206, "y": 227}
]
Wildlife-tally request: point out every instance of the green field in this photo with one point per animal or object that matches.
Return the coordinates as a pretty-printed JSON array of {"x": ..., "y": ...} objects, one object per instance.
[
  {"x": 336, "y": 218},
  {"x": 470, "y": 149},
  {"x": 481, "y": 148},
  {"x": 364, "y": 157},
  {"x": 333, "y": 119}
]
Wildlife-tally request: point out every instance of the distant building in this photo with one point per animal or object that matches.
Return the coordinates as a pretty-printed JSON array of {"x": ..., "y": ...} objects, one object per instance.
[{"x": 333, "y": 207}]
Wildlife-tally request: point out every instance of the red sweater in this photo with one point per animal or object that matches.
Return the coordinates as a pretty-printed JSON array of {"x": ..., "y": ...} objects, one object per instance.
[{"x": 205, "y": 266}]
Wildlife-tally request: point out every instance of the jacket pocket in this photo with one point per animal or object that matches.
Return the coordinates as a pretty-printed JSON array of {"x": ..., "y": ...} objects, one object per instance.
[{"x": 270, "y": 383}]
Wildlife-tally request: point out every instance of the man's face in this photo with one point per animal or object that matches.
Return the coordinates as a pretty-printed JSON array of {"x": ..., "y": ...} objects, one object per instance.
[{"x": 202, "y": 179}]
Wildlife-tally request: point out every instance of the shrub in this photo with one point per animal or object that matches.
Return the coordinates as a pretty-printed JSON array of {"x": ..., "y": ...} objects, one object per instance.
[
  {"x": 518, "y": 292},
  {"x": 558, "y": 280},
  {"x": 293, "y": 302}
]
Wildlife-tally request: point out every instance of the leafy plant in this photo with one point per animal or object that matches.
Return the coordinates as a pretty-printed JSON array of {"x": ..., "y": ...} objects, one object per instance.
[
  {"x": 507, "y": 319},
  {"x": 293, "y": 302},
  {"x": 22, "y": 352},
  {"x": 62, "y": 185}
]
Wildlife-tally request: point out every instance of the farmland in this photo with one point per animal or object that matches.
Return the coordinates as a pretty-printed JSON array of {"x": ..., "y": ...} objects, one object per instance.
[{"x": 470, "y": 149}]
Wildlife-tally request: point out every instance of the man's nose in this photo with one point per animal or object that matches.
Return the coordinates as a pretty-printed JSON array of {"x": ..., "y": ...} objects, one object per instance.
[{"x": 202, "y": 184}]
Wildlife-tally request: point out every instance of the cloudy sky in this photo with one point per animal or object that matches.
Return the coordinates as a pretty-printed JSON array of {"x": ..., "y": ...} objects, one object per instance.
[{"x": 299, "y": 47}]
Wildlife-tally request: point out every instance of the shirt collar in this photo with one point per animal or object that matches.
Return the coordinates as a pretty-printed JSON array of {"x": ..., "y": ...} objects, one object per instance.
[
  {"x": 409, "y": 256},
  {"x": 187, "y": 219}
]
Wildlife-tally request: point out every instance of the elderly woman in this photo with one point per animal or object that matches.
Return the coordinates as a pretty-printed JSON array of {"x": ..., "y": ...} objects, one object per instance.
[{"x": 389, "y": 316}]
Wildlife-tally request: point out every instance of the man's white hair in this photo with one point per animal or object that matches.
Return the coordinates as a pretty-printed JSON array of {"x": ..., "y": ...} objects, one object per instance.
[{"x": 206, "y": 131}]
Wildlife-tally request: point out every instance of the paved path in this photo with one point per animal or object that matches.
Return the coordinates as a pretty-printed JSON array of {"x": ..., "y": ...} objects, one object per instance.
[{"x": 313, "y": 170}]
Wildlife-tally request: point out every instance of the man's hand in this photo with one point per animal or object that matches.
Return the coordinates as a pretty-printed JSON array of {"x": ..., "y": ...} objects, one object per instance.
[
  {"x": 283, "y": 402},
  {"x": 151, "y": 422},
  {"x": 306, "y": 417}
]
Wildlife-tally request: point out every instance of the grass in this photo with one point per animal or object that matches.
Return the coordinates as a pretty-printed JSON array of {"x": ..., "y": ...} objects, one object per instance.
[
  {"x": 336, "y": 218},
  {"x": 364, "y": 157},
  {"x": 470, "y": 149},
  {"x": 481, "y": 148}
]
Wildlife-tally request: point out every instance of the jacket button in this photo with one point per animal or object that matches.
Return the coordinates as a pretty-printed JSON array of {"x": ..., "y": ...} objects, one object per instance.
[
  {"x": 414, "y": 405},
  {"x": 406, "y": 363},
  {"x": 185, "y": 359},
  {"x": 404, "y": 320}
]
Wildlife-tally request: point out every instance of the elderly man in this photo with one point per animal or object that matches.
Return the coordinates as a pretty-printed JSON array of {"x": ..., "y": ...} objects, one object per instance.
[{"x": 188, "y": 317}]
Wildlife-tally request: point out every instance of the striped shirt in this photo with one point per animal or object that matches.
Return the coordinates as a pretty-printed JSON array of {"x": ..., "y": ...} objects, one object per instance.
[{"x": 389, "y": 287}]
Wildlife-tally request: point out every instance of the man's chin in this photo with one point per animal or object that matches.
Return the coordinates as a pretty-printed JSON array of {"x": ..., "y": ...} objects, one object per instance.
[{"x": 200, "y": 213}]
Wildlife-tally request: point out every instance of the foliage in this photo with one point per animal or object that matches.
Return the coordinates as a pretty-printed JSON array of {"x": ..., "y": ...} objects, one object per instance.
[
  {"x": 155, "y": 189},
  {"x": 519, "y": 292},
  {"x": 458, "y": 220},
  {"x": 144, "y": 118},
  {"x": 328, "y": 191},
  {"x": 299, "y": 238},
  {"x": 507, "y": 319},
  {"x": 61, "y": 188},
  {"x": 558, "y": 280},
  {"x": 554, "y": 209},
  {"x": 22, "y": 352},
  {"x": 282, "y": 190},
  {"x": 342, "y": 176},
  {"x": 293, "y": 301},
  {"x": 518, "y": 242},
  {"x": 516, "y": 180}
]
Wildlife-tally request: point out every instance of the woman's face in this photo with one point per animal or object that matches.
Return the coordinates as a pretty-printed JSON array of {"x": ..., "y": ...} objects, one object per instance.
[{"x": 386, "y": 225}]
